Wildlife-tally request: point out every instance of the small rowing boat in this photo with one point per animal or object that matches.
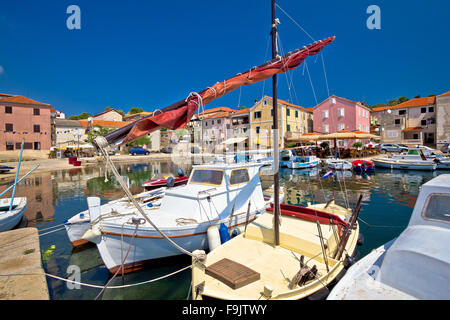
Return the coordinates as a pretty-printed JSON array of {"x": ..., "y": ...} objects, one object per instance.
[
  {"x": 11, "y": 218},
  {"x": 363, "y": 166},
  {"x": 162, "y": 180}
]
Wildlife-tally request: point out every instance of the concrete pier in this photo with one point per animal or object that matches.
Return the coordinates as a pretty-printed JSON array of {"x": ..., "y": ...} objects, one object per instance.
[{"x": 20, "y": 254}]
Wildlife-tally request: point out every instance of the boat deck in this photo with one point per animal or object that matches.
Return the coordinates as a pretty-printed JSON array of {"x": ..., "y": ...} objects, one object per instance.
[{"x": 276, "y": 265}]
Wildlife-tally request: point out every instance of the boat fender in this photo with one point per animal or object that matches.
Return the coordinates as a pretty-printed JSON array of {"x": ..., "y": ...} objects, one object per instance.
[
  {"x": 213, "y": 238},
  {"x": 224, "y": 235},
  {"x": 92, "y": 235},
  {"x": 149, "y": 205},
  {"x": 360, "y": 239},
  {"x": 170, "y": 182},
  {"x": 235, "y": 232},
  {"x": 180, "y": 172}
]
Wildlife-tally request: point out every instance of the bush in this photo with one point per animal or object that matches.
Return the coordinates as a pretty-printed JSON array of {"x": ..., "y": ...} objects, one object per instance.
[
  {"x": 357, "y": 145},
  {"x": 291, "y": 145},
  {"x": 324, "y": 145}
]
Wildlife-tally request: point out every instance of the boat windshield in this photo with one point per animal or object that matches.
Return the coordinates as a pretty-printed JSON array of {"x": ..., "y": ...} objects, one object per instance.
[
  {"x": 437, "y": 208},
  {"x": 207, "y": 176}
]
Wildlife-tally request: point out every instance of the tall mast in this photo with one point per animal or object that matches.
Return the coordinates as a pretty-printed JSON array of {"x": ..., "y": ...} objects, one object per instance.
[{"x": 276, "y": 153}]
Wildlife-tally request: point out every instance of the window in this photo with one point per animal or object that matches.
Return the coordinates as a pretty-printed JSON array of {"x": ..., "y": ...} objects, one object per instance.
[
  {"x": 431, "y": 121},
  {"x": 288, "y": 112},
  {"x": 392, "y": 133},
  {"x": 415, "y": 136},
  {"x": 205, "y": 176},
  {"x": 212, "y": 122},
  {"x": 271, "y": 112},
  {"x": 359, "y": 112},
  {"x": 37, "y": 146},
  {"x": 206, "y": 123},
  {"x": 8, "y": 109},
  {"x": 430, "y": 109},
  {"x": 437, "y": 207},
  {"x": 9, "y": 127},
  {"x": 326, "y": 128},
  {"x": 239, "y": 176},
  {"x": 36, "y": 112},
  {"x": 257, "y": 114},
  {"x": 397, "y": 121},
  {"x": 257, "y": 130},
  {"x": 324, "y": 114},
  {"x": 26, "y": 145},
  {"x": 36, "y": 128},
  {"x": 423, "y": 122},
  {"x": 359, "y": 127},
  {"x": 296, "y": 113},
  {"x": 423, "y": 110},
  {"x": 219, "y": 121},
  {"x": 341, "y": 126},
  {"x": 265, "y": 103},
  {"x": 402, "y": 112},
  {"x": 340, "y": 112},
  {"x": 9, "y": 145},
  {"x": 288, "y": 128}
]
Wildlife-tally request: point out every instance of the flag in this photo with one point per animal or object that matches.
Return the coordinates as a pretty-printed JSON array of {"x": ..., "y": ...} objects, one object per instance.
[{"x": 329, "y": 173}]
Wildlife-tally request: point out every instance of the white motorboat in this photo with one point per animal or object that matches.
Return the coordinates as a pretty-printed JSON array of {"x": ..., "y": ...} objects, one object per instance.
[
  {"x": 77, "y": 226},
  {"x": 339, "y": 164},
  {"x": 11, "y": 218},
  {"x": 303, "y": 162},
  {"x": 215, "y": 194},
  {"x": 416, "y": 265}
]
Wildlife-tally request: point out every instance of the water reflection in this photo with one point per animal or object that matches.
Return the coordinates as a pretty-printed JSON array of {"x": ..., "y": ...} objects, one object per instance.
[{"x": 388, "y": 199}]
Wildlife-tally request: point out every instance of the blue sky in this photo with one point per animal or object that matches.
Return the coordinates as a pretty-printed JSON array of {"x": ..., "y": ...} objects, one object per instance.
[{"x": 150, "y": 54}]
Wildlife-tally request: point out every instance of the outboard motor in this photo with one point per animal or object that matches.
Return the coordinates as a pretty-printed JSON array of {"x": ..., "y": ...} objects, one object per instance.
[
  {"x": 170, "y": 182},
  {"x": 180, "y": 172}
]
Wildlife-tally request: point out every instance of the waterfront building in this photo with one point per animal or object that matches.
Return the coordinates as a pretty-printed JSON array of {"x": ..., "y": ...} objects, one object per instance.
[
  {"x": 69, "y": 133},
  {"x": 337, "y": 113},
  {"x": 24, "y": 118},
  {"x": 108, "y": 115},
  {"x": 442, "y": 119},
  {"x": 412, "y": 122},
  {"x": 240, "y": 127},
  {"x": 214, "y": 128},
  {"x": 291, "y": 118}
]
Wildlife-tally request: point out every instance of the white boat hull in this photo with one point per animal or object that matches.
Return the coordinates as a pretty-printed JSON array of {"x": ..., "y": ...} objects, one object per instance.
[
  {"x": 302, "y": 165},
  {"x": 339, "y": 164},
  {"x": 10, "y": 219},
  {"x": 404, "y": 165},
  {"x": 149, "y": 245}
]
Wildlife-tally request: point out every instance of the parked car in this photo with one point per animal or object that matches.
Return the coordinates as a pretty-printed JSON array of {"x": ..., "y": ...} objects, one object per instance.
[
  {"x": 445, "y": 148},
  {"x": 166, "y": 150},
  {"x": 138, "y": 150},
  {"x": 390, "y": 147}
]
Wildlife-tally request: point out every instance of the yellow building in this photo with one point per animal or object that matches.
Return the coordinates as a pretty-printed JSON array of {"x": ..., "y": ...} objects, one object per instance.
[{"x": 291, "y": 118}]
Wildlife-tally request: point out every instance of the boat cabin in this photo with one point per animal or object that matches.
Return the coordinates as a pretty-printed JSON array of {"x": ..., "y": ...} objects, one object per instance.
[
  {"x": 418, "y": 262},
  {"x": 213, "y": 190}
]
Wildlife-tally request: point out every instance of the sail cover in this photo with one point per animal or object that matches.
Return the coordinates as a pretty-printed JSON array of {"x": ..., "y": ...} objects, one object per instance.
[{"x": 177, "y": 115}]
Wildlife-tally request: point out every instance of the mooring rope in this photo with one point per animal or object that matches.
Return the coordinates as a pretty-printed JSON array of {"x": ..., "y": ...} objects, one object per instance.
[{"x": 97, "y": 286}]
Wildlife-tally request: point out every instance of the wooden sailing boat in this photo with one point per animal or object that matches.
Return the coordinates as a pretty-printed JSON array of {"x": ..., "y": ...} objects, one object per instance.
[{"x": 294, "y": 259}]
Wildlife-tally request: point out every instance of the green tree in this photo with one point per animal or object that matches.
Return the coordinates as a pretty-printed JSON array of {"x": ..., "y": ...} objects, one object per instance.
[
  {"x": 96, "y": 131},
  {"x": 402, "y": 99},
  {"x": 139, "y": 142},
  {"x": 135, "y": 110},
  {"x": 82, "y": 116}
]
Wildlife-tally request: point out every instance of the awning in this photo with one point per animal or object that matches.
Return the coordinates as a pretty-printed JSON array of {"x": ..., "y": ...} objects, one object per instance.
[
  {"x": 413, "y": 129},
  {"x": 235, "y": 140}
]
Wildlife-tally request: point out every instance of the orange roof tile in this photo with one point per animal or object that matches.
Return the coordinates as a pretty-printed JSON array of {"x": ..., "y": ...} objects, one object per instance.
[
  {"x": 445, "y": 94},
  {"x": 22, "y": 100},
  {"x": 416, "y": 102},
  {"x": 241, "y": 111},
  {"x": 105, "y": 123}
]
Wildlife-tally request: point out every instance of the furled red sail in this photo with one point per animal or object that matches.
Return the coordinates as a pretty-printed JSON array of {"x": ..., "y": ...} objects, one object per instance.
[{"x": 177, "y": 115}]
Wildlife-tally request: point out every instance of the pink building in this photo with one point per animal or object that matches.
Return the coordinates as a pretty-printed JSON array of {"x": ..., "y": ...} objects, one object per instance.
[
  {"x": 336, "y": 113},
  {"x": 24, "y": 118}
]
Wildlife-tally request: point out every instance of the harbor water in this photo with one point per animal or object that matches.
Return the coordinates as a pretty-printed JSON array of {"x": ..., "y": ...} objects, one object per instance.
[{"x": 388, "y": 200}]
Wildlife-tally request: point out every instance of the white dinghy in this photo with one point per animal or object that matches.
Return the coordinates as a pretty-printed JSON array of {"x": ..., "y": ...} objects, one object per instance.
[
  {"x": 77, "y": 226},
  {"x": 214, "y": 194},
  {"x": 339, "y": 164},
  {"x": 416, "y": 265},
  {"x": 11, "y": 218}
]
